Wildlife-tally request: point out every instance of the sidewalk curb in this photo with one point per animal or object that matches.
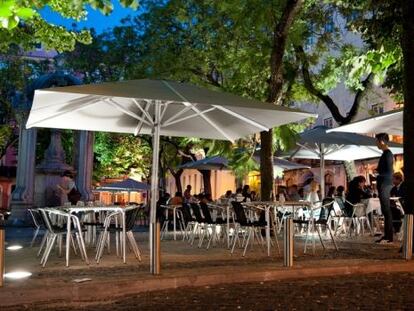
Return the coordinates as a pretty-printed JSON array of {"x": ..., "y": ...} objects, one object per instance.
[{"x": 109, "y": 290}]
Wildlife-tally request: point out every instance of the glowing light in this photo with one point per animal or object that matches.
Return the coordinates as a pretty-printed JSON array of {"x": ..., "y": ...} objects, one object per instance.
[
  {"x": 14, "y": 247},
  {"x": 16, "y": 275}
]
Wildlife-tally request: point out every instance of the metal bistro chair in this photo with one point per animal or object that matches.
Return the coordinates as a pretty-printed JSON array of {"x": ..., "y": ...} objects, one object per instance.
[
  {"x": 187, "y": 221},
  {"x": 359, "y": 219},
  {"x": 38, "y": 225},
  {"x": 55, "y": 232},
  {"x": 199, "y": 226},
  {"x": 313, "y": 224},
  {"x": 243, "y": 224},
  {"x": 112, "y": 227},
  {"x": 211, "y": 224}
]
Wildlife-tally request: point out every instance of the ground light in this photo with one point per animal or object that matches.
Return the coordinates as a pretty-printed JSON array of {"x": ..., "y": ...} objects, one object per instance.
[
  {"x": 16, "y": 275},
  {"x": 14, "y": 247}
]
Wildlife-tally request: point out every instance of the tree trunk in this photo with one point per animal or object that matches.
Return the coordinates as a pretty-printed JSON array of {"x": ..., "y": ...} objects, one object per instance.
[
  {"x": 266, "y": 165},
  {"x": 280, "y": 35},
  {"x": 177, "y": 179},
  {"x": 408, "y": 53},
  {"x": 206, "y": 180}
]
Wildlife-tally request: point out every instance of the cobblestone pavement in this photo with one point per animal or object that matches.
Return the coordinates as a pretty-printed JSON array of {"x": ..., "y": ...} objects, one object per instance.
[{"x": 368, "y": 292}]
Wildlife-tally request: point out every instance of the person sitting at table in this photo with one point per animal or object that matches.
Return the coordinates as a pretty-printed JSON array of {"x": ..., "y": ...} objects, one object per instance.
[
  {"x": 227, "y": 197},
  {"x": 340, "y": 192},
  {"x": 331, "y": 192},
  {"x": 313, "y": 196},
  {"x": 187, "y": 194},
  {"x": 177, "y": 199},
  {"x": 293, "y": 193},
  {"x": 238, "y": 197},
  {"x": 253, "y": 196},
  {"x": 355, "y": 194},
  {"x": 160, "y": 215},
  {"x": 246, "y": 193},
  {"x": 397, "y": 191}
]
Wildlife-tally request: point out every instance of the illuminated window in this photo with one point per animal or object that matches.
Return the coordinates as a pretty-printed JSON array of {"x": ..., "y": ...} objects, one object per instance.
[
  {"x": 377, "y": 108},
  {"x": 328, "y": 122}
]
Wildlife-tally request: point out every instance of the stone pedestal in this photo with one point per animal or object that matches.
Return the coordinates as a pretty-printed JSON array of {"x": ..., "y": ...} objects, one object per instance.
[
  {"x": 23, "y": 195},
  {"x": 83, "y": 163},
  {"x": 49, "y": 172}
]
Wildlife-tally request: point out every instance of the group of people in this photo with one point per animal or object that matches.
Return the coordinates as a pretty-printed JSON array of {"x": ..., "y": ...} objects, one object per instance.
[
  {"x": 242, "y": 194},
  {"x": 187, "y": 197}
]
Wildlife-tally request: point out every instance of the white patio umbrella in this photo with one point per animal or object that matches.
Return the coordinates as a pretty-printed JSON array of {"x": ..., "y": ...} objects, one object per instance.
[
  {"x": 390, "y": 122},
  {"x": 317, "y": 143},
  {"x": 156, "y": 107}
]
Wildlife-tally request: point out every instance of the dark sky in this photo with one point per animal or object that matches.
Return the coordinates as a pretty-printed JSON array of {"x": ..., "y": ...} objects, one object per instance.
[{"x": 95, "y": 19}]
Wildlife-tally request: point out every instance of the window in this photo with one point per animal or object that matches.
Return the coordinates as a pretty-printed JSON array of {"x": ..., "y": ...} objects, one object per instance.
[
  {"x": 377, "y": 108},
  {"x": 328, "y": 122},
  {"x": 329, "y": 26}
]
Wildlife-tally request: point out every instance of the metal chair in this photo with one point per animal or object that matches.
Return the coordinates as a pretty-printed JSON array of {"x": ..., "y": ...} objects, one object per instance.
[
  {"x": 110, "y": 226},
  {"x": 38, "y": 225},
  {"x": 57, "y": 232},
  {"x": 243, "y": 225}
]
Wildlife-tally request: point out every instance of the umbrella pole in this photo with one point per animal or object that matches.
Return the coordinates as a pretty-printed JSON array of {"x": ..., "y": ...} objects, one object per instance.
[
  {"x": 322, "y": 165},
  {"x": 154, "y": 230}
]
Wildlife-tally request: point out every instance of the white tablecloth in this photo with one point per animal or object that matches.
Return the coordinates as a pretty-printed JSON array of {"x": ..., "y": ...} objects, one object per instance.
[{"x": 373, "y": 204}]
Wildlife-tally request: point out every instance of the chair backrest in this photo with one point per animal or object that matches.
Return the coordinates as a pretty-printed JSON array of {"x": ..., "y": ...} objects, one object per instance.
[
  {"x": 46, "y": 220},
  {"x": 360, "y": 210},
  {"x": 206, "y": 213},
  {"x": 196, "y": 211},
  {"x": 327, "y": 206},
  {"x": 186, "y": 213},
  {"x": 36, "y": 217},
  {"x": 130, "y": 218},
  {"x": 239, "y": 213}
]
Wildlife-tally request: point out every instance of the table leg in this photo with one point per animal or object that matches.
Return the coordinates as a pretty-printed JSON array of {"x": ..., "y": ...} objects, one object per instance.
[
  {"x": 67, "y": 241},
  {"x": 123, "y": 238},
  {"x": 174, "y": 222},
  {"x": 228, "y": 225},
  {"x": 268, "y": 230}
]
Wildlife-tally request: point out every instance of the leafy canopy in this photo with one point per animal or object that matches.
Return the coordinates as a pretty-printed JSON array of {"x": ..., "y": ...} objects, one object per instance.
[{"x": 22, "y": 24}]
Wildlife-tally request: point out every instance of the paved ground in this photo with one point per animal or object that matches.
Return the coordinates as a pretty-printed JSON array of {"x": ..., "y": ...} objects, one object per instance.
[
  {"x": 369, "y": 292},
  {"x": 214, "y": 266}
]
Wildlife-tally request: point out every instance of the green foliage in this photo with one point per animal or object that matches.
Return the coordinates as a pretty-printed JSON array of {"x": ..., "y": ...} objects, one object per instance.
[
  {"x": 21, "y": 24},
  {"x": 379, "y": 24},
  {"x": 120, "y": 154}
]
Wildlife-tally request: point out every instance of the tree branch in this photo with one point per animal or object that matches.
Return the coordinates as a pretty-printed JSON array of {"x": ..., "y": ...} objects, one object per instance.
[
  {"x": 280, "y": 36},
  {"x": 326, "y": 99}
]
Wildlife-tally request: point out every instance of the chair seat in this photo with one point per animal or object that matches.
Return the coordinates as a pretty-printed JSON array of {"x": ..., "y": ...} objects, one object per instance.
[
  {"x": 97, "y": 224},
  {"x": 255, "y": 224},
  {"x": 301, "y": 221}
]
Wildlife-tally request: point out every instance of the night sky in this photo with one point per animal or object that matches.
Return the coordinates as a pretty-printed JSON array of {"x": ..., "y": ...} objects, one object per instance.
[{"x": 95, "y": 19}]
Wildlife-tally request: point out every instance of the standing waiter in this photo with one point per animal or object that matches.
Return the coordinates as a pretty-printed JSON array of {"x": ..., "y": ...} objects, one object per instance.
[{"x": 384, "y": 183}]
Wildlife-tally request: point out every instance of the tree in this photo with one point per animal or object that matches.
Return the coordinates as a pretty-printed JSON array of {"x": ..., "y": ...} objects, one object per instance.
[
  {"x": 22, "y": 24},
  {"x": 236, "y": 46},
  {"x": 407, "y": 44}
]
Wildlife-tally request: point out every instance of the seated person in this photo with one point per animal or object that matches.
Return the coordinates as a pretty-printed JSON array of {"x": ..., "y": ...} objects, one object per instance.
[
  {"x": 331, "y": 192},
  {"x": 293, "y": 193},
  {"x": 177, "y": 199},
  {"x": 313, "y": 196},
  {"x": 238, "y": 197},
  {"x": 253, "y": 196},
  {"x": 160, "y": 214},
  {"x": 355, "y": 194},
  {"x": 340, "y": 192},
  {"x": 398, "y": 190}
]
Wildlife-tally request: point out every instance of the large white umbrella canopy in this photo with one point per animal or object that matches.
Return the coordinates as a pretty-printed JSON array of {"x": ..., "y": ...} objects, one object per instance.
[
  {"x": 156, "y": 107},
  {"x": 318, "y": 143},
  {"x": 390, "y": 122}
]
